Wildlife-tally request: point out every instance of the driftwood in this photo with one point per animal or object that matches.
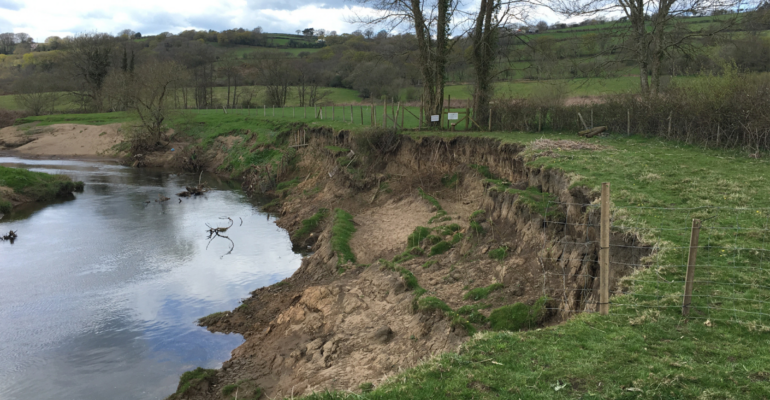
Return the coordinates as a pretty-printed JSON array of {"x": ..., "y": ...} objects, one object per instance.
[
  {"x": 11, "y": 236},
  {"x": 218, "y": 232},
  {"x": 589, "y": 133}
]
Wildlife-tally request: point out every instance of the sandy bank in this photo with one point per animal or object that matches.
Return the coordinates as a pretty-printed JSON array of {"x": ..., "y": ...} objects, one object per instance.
[{"x": 61, "y": 140}]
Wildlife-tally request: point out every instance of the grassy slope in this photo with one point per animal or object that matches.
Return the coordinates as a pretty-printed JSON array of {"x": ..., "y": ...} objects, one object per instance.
[{"x": 622, "y": 355}]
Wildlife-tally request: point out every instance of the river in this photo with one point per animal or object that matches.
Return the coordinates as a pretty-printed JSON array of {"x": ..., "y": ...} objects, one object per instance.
[{"x": 99, "y": 295}]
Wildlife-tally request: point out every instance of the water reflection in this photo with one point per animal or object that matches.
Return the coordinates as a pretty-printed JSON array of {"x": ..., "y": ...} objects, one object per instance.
[{"x": 98, "y": 296}]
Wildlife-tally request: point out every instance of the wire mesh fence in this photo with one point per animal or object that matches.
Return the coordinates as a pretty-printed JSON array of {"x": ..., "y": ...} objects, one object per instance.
[{"x": 649, "y": 255}]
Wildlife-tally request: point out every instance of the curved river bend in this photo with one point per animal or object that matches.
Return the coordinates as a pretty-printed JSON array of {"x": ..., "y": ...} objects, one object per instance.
[{"x": 99, "y": 295}]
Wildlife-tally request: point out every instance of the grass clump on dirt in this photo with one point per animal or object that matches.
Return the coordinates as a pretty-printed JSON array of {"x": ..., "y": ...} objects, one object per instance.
[
  {"x": 212, "y": 318},
  {"x": 499, "y": 253},
  {"x": 190, "y": 378},
  {"x": 311, "y": 224},
  {"x": 482, "y": 292},
  {"x": 537, "y": 201},
  {"x": 517, "y": 316},
  {"x": 342, "y": 231},
  {"x": 431, "y": 303},
  {"x": 440, "y": 248},
  {"x": 416, "y": 237},
  {"x": 288, "y": 184},
  {"x": 366, "y": 387}
]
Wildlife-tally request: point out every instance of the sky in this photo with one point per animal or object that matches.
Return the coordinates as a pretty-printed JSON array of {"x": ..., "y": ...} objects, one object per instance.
[{"x": 44, "y": 18}]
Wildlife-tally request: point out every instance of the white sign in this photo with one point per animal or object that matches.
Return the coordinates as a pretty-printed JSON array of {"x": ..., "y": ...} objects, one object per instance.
[
  {"x": 452, "y": 116},
  {"x": 434, "y": 118}
]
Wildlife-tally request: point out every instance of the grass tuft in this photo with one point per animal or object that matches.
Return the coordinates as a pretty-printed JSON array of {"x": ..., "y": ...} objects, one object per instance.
[
  {"x": 517, "y": 316},
  {"x": 190, "y": 378},
  {"x": 416, "y": 237},
  {"x": 499, "y": 253},
  {"x": 342, "y": 232},
  {"x": 311, "y": 224},
  {"x": 440, "y": 248},
  {"x": 482, "y": 292}
]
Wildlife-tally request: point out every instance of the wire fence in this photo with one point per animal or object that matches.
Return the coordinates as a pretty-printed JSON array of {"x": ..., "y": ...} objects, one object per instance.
[{"x": 650, "y": 254}]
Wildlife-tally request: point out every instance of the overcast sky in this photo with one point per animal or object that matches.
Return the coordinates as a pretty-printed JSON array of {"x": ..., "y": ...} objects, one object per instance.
[{"x": 43, "y": 18}]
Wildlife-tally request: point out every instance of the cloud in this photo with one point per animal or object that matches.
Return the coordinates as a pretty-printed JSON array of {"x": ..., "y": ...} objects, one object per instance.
[{"x": 11, "y": 4}]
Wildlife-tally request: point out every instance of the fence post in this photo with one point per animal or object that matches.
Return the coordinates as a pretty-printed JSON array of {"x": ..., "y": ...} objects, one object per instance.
[
  {"x": 604, "y": 252},
  {"x": 628, "y": 128},
  {"x": 691, "y": 259},
  {"x": 264, "y": 110},
  {"x": 670, "y": 116},
  {"x": 490, "y": 119},
  {"x": 362, "y": 114},
  {"x": 385, "y": 113}
]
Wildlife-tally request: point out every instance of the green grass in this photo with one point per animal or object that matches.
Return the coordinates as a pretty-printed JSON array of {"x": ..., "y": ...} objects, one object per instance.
[
  {"x": 342, "y": 232},
  {"x": 517, "y": 316},
  {"x": 416, "y": 237},
  {"x": 482, "y": 292},
  {"x": 440, "y": 248},
  {"x": 190, "y": 378},
  {"x": 311, "y": 224},
  {"x": 499, "y": 253},
  {"x": 36, "y": 185}
]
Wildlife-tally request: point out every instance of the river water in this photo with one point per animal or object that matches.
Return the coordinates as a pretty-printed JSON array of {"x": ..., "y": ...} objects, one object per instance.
[{"x": 99, "y": 295}]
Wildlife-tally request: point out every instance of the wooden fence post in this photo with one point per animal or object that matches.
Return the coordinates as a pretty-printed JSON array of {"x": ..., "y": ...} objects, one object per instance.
[
  {"x": 691, "y": 260},
  {"x": 274, "y": 110},
  {"x": 592, "y": 118},
  {"x": 362, "y": 114},
  {"x": 264, "y": 110},
  {"x": 385, "y": 113},
  {"x": 419, "y": 128},
  {"x": 670, "y": 115},
  {"x": 490, "y": 119},
  {"x": 539, "y": 119},
  {"x": 448, "y": 109},
  {"x": 304, "y": 111},
  {"x": 628, "y": 129},
  {"x": 604, "y": 252}
]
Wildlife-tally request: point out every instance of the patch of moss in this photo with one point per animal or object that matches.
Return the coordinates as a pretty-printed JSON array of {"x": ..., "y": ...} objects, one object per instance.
[
  {"x": 477, "y": 318},
  {"x": 447, "y": 229},
  {"x": 416, "y": 237},
  {"x": 310, "y": 224},
  {"x": 482, "y": 292},
  {"x": 499, "y": 253},
  {"x": 335, "y": 149},
  {"x": 433, "y": 239},
  {"x": 342, "y": 231},
  {"x": 478, "y": 214},
  {"x": 428, "y": 264},
  {"x": 440, "y": 247},
  {"x": 212, "y": 318}
]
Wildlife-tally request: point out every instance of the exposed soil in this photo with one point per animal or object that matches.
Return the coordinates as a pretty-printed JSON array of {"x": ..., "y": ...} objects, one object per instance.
[
  {"x": 336, "y": 327},
  {"x": 61, "y": 140}
]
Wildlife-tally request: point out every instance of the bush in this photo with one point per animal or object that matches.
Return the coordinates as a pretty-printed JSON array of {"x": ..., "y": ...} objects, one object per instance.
[
  {"x": 310, "y": 224},
  {"x": 498, "y": 253},
  {"x": 430, "y": 303}
]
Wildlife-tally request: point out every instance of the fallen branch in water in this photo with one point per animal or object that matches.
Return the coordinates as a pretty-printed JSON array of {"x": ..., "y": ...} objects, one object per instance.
[
  {"x": 217, "y": 232},
  {"x": 11, "y": 236}
]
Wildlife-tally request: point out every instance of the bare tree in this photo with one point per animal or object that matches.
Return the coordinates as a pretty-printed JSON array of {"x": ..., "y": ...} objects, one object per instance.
[
  {"x": 37, "y": 93},
  {"x": 654, "y": 29},
  {"x": 90, "y": 57},
  {"x": 308, "y": 83},
  {"x": 273, "y": 72},
  {"x": 7, "y": 43},
  {"x": 230, "y": 69},
  {"x": 152, "y": 100},
  {"x": 431, "y": 20}
]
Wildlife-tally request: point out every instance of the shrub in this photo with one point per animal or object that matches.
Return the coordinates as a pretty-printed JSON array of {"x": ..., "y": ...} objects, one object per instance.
[{"x": 431, "y": 303}]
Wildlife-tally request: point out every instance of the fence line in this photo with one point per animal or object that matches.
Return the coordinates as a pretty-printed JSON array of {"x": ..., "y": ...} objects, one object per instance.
[{"x": 720, "y": 274}]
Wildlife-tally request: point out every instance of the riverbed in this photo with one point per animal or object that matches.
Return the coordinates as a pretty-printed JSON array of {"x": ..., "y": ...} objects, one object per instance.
[{"x": 99, "y": 295}]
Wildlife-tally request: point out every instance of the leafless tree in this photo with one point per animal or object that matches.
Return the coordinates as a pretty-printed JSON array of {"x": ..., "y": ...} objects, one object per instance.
[
  {"x": 37, "y": 93},
  {"x": 308, "y": 83},
  {"x": 89, "y": 55},
  {"x": 431, "y": 21},
  {"x": 272, "y": 71},
  {"x": 152, "y": 100}
]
